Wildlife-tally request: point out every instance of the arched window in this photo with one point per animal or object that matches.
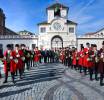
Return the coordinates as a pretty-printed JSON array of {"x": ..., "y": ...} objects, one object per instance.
[{"x": 57, "y": 12}]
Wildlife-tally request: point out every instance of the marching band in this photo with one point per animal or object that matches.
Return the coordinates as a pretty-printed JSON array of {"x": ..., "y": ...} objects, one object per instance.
[{"x": 88, "y": 60}]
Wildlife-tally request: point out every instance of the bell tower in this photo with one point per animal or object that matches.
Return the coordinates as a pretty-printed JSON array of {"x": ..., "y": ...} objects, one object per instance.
[
  {"x": 2, "y": 22},
  {"x": 57, "y": 10}
]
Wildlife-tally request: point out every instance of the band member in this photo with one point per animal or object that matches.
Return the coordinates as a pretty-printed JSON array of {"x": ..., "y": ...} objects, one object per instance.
[
  {"x": 96, "y": 61},
  {"x": 36, "y": 56},
  {"x": 90, "y": 62},
  {"x": 75, "y": 58},
  {"x": 22, "y": 48},
  {"x": 9, "y": 63},
  {"x": 66, "y": 56},
  {"x": 18, "y": 60},
  {"x": 44, "y": 53},
  {"x": 62, "y": 56},
  {"x": 52, "y": 56},
  {"x": 85, "y": 59},
  {"x": 31, "y": 58},
  {"x": 70, "y": 58},
  {"x": 27, "y": 57},
  {"x": 101, "y": 64},
  {"x": 81, "y": 58}
]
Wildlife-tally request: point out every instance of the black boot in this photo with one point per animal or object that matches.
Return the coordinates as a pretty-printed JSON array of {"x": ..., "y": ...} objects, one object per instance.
[{"x": 5, "y": 81}]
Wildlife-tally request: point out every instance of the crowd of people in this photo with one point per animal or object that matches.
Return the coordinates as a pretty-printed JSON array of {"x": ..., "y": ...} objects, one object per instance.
[
  {"x": 87, "y": 60},
  {"x": 21, "y": 57}
]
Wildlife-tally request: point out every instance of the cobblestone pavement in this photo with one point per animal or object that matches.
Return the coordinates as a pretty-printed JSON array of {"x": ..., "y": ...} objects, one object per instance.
[{"x": 52, "y": 82}]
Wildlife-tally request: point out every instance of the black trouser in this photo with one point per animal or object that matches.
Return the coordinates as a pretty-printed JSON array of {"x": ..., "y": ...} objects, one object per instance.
[
  {"x": 66, "y": 61},
  {"x": 28, "y": 64},
  {"x": 80, "y": 68},
  {"x": 48, "y": 59},
  {"x": 85, "y": 70},
  {"x": 52, "y": 59},
  {"x": 96, "y": 71},
  {"x": 76, "y": 66},
  {"x": 91, "y": 72},
  {"x": 101, "y": 78},
  {"x": 6, "y": 74},
  {"x": 45, "y": 59},
  {"x": 20, "y": 72},
  {"x": 31, "y": 62},
  {"x": 12, "y": 75},
  {"x": 69, "y": 62}
]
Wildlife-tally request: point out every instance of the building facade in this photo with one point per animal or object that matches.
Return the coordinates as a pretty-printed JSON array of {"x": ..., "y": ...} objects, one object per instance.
[
  {"x": 30, "y": 41},
  {"x": 92, "y": 38},
  {"x": 57, "y": 31}
]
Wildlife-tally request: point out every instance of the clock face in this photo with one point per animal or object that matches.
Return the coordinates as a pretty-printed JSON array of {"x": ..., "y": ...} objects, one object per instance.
[{"x": 57, "y": 26}]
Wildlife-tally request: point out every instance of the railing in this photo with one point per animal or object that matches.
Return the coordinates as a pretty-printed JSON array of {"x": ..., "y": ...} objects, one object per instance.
[{"x": 17, "y": 36}]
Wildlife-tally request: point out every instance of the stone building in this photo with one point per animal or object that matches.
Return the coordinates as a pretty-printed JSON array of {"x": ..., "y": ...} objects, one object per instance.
[{"x": 57, "y": 31}]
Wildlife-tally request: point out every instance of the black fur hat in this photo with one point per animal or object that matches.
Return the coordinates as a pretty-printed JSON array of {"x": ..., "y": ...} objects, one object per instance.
[
  {"x": 17, "y": 45},
  {"x": 87, "y": 43},
  {"x": 9, "y": 46}
]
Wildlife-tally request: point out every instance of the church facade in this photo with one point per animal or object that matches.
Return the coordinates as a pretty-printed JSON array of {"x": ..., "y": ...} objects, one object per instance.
[{"x": 57, "y": 31}]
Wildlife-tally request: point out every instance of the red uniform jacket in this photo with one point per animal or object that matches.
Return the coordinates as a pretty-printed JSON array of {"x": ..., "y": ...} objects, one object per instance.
[
  {"x": 18, "y": 56},
  {"x": 37, "y": 55},
  {"x": 101, "y": 62},
  {"x": 12, "y": 62},
  {"x": 62, "y": 55},
  {"x": 74, "y": 58},
  {"x": 81, "y": 58},
  {"x": 87, "y": 62}
]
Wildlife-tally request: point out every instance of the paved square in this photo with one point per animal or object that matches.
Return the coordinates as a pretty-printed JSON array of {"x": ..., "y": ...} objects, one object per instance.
[{"x": 52, "y": 82}]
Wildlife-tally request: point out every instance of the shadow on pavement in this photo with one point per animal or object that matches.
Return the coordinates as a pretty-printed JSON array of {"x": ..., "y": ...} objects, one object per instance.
[{"x": 5, "y": 94}]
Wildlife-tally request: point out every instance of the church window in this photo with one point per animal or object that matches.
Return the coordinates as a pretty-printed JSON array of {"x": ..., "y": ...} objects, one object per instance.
[
  {"x": 71, "y": 30},
  {"x": 43, "y": 30},
  {"x": 101, "y": 33}
]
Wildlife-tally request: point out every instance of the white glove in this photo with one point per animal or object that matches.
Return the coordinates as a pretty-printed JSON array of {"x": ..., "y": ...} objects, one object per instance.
[
  {"x": 18, "y": 56},
  {"x": 11, "y": 57}
]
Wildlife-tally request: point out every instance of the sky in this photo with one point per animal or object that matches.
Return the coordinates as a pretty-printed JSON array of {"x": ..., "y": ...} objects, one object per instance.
[{"x": 26, "y": 14}]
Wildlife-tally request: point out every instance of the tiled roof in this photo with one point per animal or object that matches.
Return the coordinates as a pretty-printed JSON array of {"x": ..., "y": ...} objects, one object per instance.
[
  {"x": 43, "y": 23},
  {"x": 93, "y": 33},
  {"x": 71, "y": 22}
]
